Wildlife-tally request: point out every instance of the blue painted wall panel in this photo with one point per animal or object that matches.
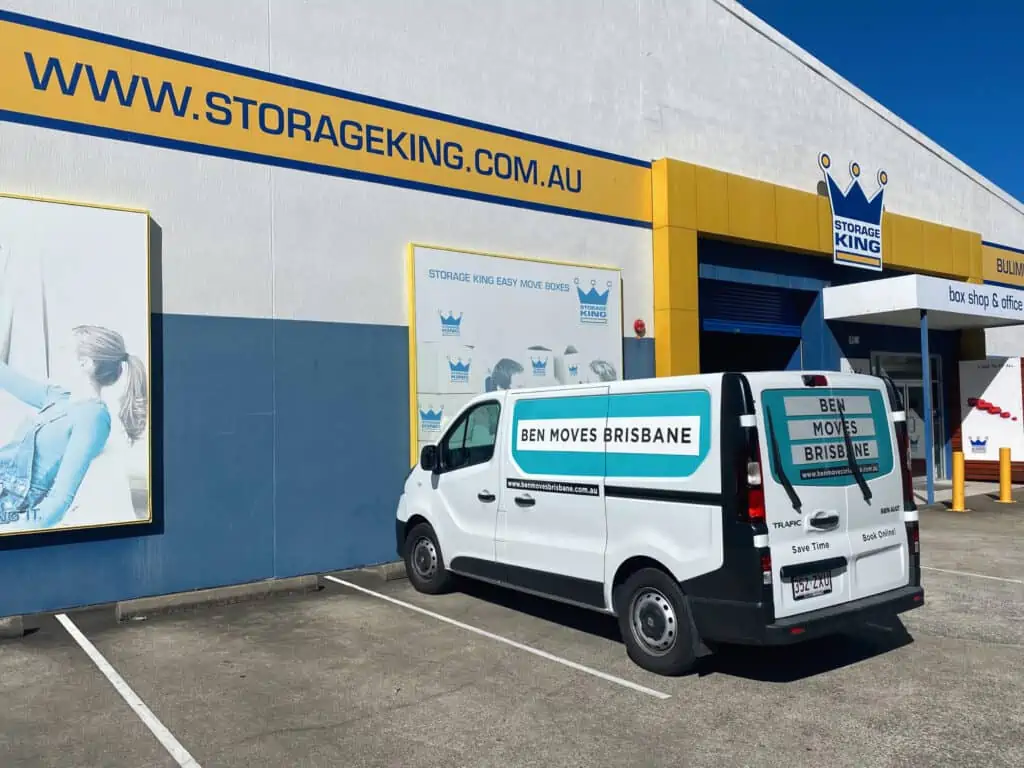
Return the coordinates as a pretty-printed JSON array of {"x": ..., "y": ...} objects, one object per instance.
[
  {"x": 213, "y": 499},
  {"x": 217, "y": 427},
  {"x": 638, "y": 358},
  {"x": 280, "y": 448},
  {"x": 821, "y": 350},
  {"x": 342, "y": 443}
]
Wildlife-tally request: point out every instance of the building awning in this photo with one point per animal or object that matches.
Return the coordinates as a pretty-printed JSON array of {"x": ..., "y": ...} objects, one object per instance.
[{"x": 950, "y": 304}]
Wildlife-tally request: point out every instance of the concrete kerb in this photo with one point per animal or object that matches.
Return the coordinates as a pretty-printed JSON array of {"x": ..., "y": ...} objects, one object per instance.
[
  {"x": 391, "y": 571},
  {"x": 12, "y": 627},
  {"x": 235, "y": 593}
]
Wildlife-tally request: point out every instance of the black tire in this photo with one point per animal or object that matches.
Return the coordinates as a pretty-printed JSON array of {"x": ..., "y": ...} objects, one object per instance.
[
  {"x": 424, "y": 563},
  {"x": 663, "y": 640}
]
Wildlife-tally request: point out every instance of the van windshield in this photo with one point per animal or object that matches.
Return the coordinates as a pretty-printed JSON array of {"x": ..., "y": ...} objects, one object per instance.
[
  {"x": 773, "y": 441},
  {"x": 837, "y": 437},
  {"x": 850, "y": 453}
]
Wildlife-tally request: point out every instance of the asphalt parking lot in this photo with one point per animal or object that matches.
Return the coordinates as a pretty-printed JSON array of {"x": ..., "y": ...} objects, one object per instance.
[{"x": 345, "y": 677}]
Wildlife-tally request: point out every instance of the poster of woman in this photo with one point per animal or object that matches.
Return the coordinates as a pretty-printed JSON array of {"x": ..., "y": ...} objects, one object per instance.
[{"x": 74, "y": 366}]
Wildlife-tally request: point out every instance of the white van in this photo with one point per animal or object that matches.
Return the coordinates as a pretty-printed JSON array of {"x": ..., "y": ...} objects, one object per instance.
[{"x": 758, "y": 508}]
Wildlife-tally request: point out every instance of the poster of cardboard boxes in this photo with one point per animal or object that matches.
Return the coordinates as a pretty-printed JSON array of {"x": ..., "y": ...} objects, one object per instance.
[{"x": 485, "y": 323}]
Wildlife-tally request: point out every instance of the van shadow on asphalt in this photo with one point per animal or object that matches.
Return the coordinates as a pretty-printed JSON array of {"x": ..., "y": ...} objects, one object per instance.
[
  {"x": 788, "y": 664},
  {"x": 771, "y": 665}
]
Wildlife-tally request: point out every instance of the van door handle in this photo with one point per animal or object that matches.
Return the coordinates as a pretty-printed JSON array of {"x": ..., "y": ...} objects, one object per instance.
[
  {"x": 525, "y": 501},
  {"x": 824, "y": 521},
  {"x": 485, "y": 496}
]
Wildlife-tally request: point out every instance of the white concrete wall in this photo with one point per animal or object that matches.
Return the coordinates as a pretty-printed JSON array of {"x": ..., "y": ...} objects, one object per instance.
[
  {"x": 689, "y": 79},
  {"x": 1004, "y": 342},
  {"x": 250, "y": 241}
]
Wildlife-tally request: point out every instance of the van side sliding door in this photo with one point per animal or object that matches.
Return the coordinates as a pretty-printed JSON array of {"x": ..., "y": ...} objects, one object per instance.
[{"x": 551, "y": 530}]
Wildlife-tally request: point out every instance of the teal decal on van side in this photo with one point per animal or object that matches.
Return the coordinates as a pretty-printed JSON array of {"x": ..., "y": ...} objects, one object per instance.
[
  {"x": 812, "y": 445},
  {"x": 651, "y": 434}
]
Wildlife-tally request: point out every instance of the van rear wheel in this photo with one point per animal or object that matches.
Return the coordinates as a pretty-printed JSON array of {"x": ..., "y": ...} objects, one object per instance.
[
  {"x": 655, "y": 623},
  {"x": 424, "y": 563}
]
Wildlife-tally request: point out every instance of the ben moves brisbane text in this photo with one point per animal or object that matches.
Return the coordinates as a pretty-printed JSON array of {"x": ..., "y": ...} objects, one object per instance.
[{"x": 612, "y": 435}]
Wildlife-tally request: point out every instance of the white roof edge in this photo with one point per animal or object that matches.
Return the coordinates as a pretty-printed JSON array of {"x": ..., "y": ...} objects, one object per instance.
[{"x": 762, "y": 27}]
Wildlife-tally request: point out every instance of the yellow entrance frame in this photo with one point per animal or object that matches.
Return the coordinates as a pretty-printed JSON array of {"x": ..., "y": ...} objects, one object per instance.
[
  {"x": 691, "y": 200},
  {"x": 410, "y": 298}
]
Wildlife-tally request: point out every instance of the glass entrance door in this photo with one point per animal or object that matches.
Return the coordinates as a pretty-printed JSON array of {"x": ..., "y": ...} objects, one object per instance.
[
  {"x": 906, "y": 373},
  {"x": 913, "y": 397}
]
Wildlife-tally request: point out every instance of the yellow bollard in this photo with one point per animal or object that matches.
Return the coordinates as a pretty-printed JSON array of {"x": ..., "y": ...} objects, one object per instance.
[
  {"x": 958, "y": 481},
  {"x": 1004, "y": 476}
]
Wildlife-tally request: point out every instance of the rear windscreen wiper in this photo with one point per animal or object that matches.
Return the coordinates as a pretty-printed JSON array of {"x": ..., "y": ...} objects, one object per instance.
[
  {"x": 794, "y": 499},
  {"x": 865, "y": 489}
]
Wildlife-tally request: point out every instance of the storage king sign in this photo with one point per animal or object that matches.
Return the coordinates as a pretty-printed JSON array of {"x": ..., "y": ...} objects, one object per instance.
[{"x": 856, "y": 219}]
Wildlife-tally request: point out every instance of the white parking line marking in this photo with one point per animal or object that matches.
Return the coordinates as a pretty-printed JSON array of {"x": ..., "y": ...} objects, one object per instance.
[
  {"x": 500, "y": 639},
  {"x": 975, "y": 575},
  {"x": 171, "y": 744}
]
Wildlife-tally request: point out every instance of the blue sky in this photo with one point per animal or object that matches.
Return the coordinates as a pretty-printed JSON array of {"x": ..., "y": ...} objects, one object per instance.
[{"x": 952, "y": 69}]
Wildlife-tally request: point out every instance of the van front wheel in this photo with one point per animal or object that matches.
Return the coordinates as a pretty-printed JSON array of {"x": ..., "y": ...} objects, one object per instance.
[
  {"x": 424, "y": 563},
  {"x": 655, "y": 623}
]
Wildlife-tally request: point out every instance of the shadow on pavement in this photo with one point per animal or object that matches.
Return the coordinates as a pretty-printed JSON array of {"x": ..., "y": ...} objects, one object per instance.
[
  {"x": 771, "y": 665},
  {"x": 580, "y": 619},
  {"x": 791, "y": 663},
  {"x": 982, "y": 502}
]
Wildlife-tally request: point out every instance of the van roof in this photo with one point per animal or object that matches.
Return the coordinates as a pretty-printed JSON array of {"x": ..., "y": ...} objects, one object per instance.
[{"x": 666, "y": 382}]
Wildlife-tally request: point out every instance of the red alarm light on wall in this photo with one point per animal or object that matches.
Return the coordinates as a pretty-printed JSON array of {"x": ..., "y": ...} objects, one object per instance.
[{"x": 640, "y": 328}]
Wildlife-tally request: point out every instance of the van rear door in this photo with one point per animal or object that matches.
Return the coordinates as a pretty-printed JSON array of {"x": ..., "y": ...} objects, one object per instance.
[
  {"x": 833, "y": 490},
  {"x": 874, "y": 500}
]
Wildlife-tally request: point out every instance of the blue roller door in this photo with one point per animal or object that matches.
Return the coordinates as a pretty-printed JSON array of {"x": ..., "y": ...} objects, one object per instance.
[{"x": 739, "y": 308}]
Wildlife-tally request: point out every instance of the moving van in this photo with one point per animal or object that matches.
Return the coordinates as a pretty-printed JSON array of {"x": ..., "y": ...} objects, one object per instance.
[{"x": 758, "y": 508}]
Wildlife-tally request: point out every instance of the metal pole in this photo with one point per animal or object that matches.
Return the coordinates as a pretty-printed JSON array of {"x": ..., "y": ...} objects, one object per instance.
[
  {"x": 958, "y": 481},
  {"x": 926, "y": 376},
  {"x": 1005, "y": 476}
]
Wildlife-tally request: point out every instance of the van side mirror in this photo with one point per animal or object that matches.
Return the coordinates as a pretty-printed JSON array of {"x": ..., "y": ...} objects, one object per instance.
[{"x": 428, "y": 458}]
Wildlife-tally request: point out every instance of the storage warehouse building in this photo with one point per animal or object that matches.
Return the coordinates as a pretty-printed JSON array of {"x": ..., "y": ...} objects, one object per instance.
[{"x": 283, "y": 241}]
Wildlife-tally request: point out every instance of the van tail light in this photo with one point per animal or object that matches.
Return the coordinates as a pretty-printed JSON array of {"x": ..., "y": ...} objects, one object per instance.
[
  {"x": 766, "y": 568},
  {"x": 755, "y": 505},
  {"x": 815, "y": 380},
  {"x": 752, "y": 480}
]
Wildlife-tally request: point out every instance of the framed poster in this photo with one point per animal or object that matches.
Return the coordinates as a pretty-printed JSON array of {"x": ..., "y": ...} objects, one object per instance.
[
  {"x": 74, "y": 366},
  {"x": 991, "y": 408},
  {"x": 480, "y": 323}
]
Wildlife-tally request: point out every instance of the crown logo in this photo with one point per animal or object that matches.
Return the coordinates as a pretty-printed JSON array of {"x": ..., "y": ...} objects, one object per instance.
[
  {"x": 852, "y": 203},
  {"x": 978, "y": 443},
  {"x": 574, "y": 370},
  {"x": 856, "y": 218},
  {"x": 430, "y": 419},
  {"x": 593, "y": 303},
  {"x": 450, "y": 324},
  {"x": 539, "y": 365},
  {"x": 458, "y": 370}
]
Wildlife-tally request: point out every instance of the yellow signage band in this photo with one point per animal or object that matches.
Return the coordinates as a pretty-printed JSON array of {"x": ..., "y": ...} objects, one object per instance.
[
  {"x": 857, "y": 258},
  {"x": 71, "y": 79},
  {"x": 1002, "y": 265}
]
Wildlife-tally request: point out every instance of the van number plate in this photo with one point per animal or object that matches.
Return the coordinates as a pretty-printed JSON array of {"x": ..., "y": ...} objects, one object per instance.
[{"x": 812, "y": 586}]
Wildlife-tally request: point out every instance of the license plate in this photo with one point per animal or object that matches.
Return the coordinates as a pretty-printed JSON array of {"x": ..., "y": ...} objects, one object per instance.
[{"x": 812, "y": 586}]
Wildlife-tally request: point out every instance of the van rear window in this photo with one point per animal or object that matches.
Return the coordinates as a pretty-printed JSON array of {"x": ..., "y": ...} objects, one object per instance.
[{"x": 827, "y": 437}]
